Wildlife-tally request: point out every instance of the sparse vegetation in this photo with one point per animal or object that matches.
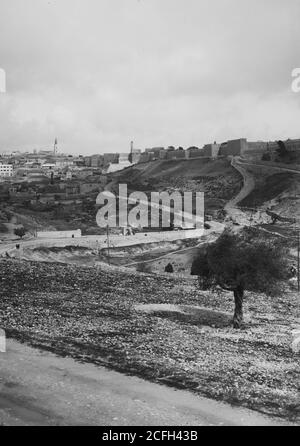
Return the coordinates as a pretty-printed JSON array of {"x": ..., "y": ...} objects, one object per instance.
[
  {"x": 217, "y": 178},
  {"x": 240, "y": 262},
  {"x": 169, "y": 268},
  {"x": 20, "y": 232},
  {"x": 90, "y": 314}
]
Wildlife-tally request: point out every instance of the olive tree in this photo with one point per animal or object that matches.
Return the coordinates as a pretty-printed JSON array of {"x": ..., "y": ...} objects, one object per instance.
[{"x": 240, "y": 262}]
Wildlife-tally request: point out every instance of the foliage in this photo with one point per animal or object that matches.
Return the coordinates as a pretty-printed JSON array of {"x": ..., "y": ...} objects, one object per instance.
[
  {"x": 20, "y": 232},
  {"x": 266, "y": 157},
  {"x": 169, "y": 268},
  {"x": 244, "y": 260},
  {"x": 281, "y": 150}
]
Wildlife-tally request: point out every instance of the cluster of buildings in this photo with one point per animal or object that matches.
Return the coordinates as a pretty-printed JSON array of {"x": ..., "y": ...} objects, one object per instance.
[
  {"x": 50, "y": 164},
  {"x": 112, "y": 162},
  {"x": 256, "y": 150},
  {"x": 237, "y": 147},
  {"x": 46, "y": 177},
  {"x": 39, "y": 165}
]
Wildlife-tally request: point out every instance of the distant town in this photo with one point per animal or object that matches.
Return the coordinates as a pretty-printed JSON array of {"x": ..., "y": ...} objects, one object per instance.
[
  {"x": 49, "y": 176},
  {"x": 45, "y": 165}
]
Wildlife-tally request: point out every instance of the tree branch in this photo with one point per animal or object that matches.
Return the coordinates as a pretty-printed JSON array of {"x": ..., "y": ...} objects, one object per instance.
[{"x": 226, "y": 288}]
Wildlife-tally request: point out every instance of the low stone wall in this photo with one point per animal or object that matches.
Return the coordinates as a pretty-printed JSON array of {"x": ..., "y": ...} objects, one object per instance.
[{"x": 59, "y": 234}]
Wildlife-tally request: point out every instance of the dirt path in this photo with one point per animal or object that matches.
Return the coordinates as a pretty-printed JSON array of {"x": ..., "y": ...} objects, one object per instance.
[
  {"x": 249, "y": 184},
  {"x": 271, "y": 167},
  {"x": 215, "y": 230},
  {"x": 39, "y": 388},
  {"x": 241, "y": 165}
]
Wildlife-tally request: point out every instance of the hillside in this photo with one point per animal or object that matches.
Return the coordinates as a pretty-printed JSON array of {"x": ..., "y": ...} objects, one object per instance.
[
  {"x": 162, "y": 329},
  {"x": 217, "y": 178},
  {"x": 280, "y": 192},
  {"x": 81, "y": 214}
]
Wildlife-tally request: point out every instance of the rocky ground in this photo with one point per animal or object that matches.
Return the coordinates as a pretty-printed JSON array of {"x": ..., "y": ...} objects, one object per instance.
[
  {"x": 216, "y": 178},
  {"x": 91, "y": 314},
  {"x": 279, "y": 192}
]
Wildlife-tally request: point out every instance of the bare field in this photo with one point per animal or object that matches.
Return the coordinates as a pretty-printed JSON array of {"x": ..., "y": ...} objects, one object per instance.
[{"x": 91, "y": 314}]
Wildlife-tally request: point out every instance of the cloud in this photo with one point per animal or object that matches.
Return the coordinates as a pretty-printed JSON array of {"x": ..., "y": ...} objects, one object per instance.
[{"x": 99, "y": 73}]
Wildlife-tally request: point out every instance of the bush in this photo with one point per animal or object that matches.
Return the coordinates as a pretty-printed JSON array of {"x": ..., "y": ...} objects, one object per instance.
[
  {"x": 242, "y": 262},
  {"x": 20, "y": 232},
  {"x": 169, "y": 268}
]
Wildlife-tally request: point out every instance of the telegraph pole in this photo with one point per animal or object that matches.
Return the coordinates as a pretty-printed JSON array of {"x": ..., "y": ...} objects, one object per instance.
[
  {"x": 108, "y": 253},
  {"x": 98, "y": 249},
  {"x": 298, "y": 258}
]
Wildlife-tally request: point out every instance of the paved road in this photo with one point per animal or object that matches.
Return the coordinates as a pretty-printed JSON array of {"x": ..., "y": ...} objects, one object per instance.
[{"x": 38, "y": 388}]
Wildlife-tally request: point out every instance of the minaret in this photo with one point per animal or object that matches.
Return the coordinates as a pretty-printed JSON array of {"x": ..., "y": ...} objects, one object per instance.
[
  {"x": 131, "y": 152},
  {"x": 55, "y": 147}
]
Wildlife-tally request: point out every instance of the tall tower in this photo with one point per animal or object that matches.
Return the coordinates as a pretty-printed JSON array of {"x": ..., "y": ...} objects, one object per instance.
[
  {"x": 131, "y": 152},
  {"x": 55, "y": 147}
]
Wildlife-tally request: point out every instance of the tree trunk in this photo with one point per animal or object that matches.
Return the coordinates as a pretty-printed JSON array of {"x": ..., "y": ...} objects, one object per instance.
[{"x": 238, "y": 309}]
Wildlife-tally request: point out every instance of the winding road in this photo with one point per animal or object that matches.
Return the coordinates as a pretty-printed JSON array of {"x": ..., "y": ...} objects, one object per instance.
[{"x": 248, "y": 183}]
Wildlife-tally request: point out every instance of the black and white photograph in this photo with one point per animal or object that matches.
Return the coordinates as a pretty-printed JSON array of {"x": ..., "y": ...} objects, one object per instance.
[{"x": 149, "y": 217}]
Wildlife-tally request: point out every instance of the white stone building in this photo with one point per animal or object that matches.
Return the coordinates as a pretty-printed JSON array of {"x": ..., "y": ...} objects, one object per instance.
[{"x": 6, "y": 170}]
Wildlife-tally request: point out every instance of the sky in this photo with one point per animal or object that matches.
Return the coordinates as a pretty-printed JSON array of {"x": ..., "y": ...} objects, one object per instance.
[{"x": 97, "y": 74}]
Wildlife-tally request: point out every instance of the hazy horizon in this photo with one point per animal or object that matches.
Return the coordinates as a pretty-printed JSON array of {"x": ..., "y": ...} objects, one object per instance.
[{"x": 97, "y": 74}]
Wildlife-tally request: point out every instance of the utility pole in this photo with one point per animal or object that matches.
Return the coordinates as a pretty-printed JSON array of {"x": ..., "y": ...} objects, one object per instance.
[
  {"x": 108, "y": 253},
  {"x": 298, "y": 259},
  {"x": 98, "y": 249}
]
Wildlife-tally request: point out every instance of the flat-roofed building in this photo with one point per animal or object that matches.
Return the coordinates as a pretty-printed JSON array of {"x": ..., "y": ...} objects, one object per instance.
[
  {"x": 211, "y": 150},
  {"x": 96, "y": 161},
  {"x": 110, "y": 158},
  {"x": 234, "y": 147},
  {"x": 135, "y": 155},
  {"x": 145, "y": 157},
  {"x": 49, "y": 166},
  {"x": 162, "y": 154},
  {"x": 6, "y": 170},
  {"x": 123, "y": 157},
  {"x": 292, "y": 145}
]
